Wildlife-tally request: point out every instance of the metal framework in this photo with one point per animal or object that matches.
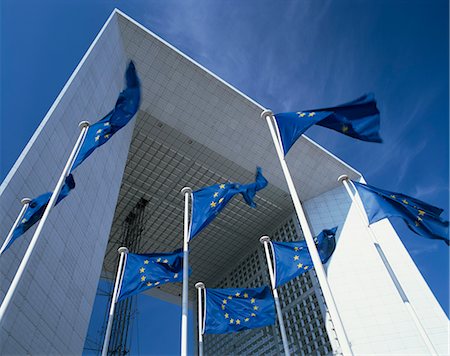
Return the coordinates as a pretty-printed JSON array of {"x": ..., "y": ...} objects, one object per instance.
[{"x": 126, "y": 310}]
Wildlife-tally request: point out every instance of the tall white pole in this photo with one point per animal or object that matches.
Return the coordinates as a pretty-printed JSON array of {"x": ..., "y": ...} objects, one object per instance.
[
  {"x": 265, "y": 241},
  {"x": 123, "y": 252},
  {"x": 320, "y": 272},
  {"x": 84, "y": 125},
  {"x": 200, "y": 287},
  {"x": 25, "y": 202},
  {"x": 345, "y": 181},
  {"x": 184, "y": 301}
]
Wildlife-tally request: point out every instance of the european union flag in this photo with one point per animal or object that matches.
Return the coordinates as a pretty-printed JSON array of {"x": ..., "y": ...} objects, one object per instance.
[
  {"x": 420, "y": 217},
  {"x": 292, "y": 259},
  {"x": 126, "y": 107},
  {"x": 358, "y": 119},
  {"x": 142, "y": 272},
  {"x": 208, "y": 202},
  {"x": 235, "y": 309},
  {"x": 36, "y": 209}
]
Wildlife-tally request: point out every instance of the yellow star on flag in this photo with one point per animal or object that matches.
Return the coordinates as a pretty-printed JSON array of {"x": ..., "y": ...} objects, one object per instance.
[
  {"x": 344, "y": 129},
  {"x": 99, "y": 131},
  {"x": 213, "y": 204},
  {"x": 142, "y": 270},
  {"x": 143, "y": 278},
  {"x": 311, "y": 114},
  {"x": 393, "y": 196},
  {"x": 175, "y": 275},
  {"x": 296, "y": 257},
  {"x": 230, "y": 297},
  {"x": 405, "y": 201},
  {"x": 238, "y": 294},
  {"x": 246, "y": 319},
  {"x": 299, "y": 265},
  {"x": 222, "y": 186},
  {"x": 238, "y": 321},
  {"x": 216, "y": 194},
  {"x": 146, "y": 262},
  {"x": 226, "y": 315},
  {"x": 158, "y": 260},
  {"x": 245, "y": 295},
  {"x": 106, "y": 124},
  {"x": 253, "y": 314},
  {"x": 256, "y": 307},
  {"x": 97, "y": 138},
  {"x": 149, "y": 284},
  {"x": 165, "y": 261},
  {"x": 231, "y": 321},
  {"x": 156, "y": 283},
  {"x": 252, "y": 300},
  {"x": 296, "y": 248},
  {"x": 421, "y": 212},
  {"x": 220, "y": 200},
  {"x": 224, "y": 301}
]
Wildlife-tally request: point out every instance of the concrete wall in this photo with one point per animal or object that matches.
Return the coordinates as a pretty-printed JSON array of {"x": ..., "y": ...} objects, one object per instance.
[
  {"x": 51, "y": 308},
  {"x": 373, "y": 314}
]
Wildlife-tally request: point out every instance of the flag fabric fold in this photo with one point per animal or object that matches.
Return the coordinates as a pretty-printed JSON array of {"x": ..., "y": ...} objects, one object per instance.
[
  {"x": 236, "y": 309},
  {"x": 208, "y": 202},
  {"x": 146, "y": 271},
  {"x": 127, "y": 105},
  {"x": 420, "y": 217},
  {"x": 36, "y": 209},
  {"x": 359, "y": 119},
  {"x": 292, "y": 259}
]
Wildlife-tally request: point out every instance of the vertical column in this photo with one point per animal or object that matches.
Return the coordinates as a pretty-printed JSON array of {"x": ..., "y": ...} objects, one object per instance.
[
  {"x": 265, "y": 240},
  {"x": 321, "y": 276},
  {"x": 200, "y": 287},
  {"x": 184, "y": 302}
]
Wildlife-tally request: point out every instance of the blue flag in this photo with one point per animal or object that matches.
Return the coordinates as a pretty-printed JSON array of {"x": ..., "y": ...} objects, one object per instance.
[
  {"x": 36, "y": 209},
  {"x": 142, "y": 272},
  {"x": 292, "y": 259},
  {"x": 358, "y": 119},
  {"x": 420, "y": 217},
  {"x": 235, "y": 309},
  {"x": 208, "y": 202},
  {"x": 126, "y": 107}
]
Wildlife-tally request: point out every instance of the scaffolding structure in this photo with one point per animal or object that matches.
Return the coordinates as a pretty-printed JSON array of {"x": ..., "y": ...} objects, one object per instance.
[{"x": 132, "y": 230}]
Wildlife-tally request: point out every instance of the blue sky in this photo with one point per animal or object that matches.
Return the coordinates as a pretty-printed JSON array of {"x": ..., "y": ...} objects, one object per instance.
[{"x": 287, "y": 55}]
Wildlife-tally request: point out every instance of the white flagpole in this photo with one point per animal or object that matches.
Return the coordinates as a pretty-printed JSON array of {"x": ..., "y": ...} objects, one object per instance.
[
  {"x": 345, "y": 181},
  {"x": 84, "y": 125},
  {"x": 184, "y": 302},
  {"x": 123, "y": 251},
  {"x": 25, "y": 202},
  {"x": 265, "y": 241},
  {"x": 200, "y": 286},
  {"x": 320, "y": 272}
]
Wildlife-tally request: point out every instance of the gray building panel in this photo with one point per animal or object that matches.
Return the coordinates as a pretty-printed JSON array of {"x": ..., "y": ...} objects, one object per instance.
[{"x": 51, "y": 309}]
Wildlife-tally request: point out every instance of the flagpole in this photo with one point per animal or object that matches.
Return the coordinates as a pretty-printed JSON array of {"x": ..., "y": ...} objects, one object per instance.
[
  {"x": 25, "y": 202},
  {"x": 84, "y": 125},
  {"x": 265, "y": 240},
  {"x": 184, "y": 300},
  {"x": 123, "y": 251},
  {"x": 320, "y": 272},
  {"x": 345, "y": 181},
  {"x": 200, "y": 286}
]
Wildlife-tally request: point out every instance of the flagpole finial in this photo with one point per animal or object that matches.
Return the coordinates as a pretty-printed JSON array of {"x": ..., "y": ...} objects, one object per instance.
[
  {"x": 123, "y": 250},
  {"x": 25, "y": 201},
  {"x": 199, "y": 285},
  {"x": 342, "y": 178},
  {"x": 266, "y": 113},
  {"x": 83, "y": 124},
  {"x": 264, "y": 239},
  {"x": 186, "y": 190}
]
